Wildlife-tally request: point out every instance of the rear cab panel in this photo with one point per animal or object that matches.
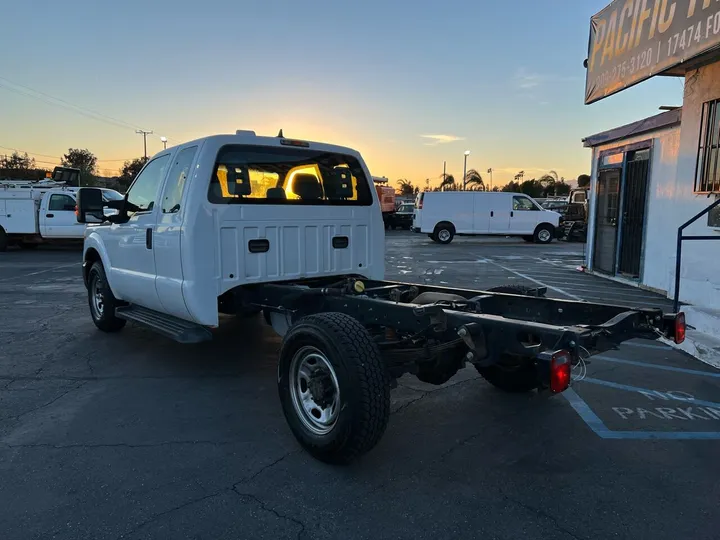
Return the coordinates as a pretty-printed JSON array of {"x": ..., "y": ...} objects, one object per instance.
[{"x": 285, "y": 221}]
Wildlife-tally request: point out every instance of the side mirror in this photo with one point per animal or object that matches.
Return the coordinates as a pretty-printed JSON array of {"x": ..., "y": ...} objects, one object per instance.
[{"x": 90, "y": 205}]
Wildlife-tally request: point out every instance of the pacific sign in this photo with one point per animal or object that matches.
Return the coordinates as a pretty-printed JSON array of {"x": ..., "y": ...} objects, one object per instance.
[{"x": 632, "y": 40}]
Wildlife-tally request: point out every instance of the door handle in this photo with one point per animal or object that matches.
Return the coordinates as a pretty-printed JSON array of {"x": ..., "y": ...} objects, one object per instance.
[
  {"x": 49, "y": 215},
  {"x": 492, "y": 214},
  {"x": 148, "y": 238},
  {"x": 512, "y": 214},
  {"x": 259, "y": 245}
]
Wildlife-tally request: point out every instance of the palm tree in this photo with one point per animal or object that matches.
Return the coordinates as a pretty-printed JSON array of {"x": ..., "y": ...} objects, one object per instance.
[
  {"x": 474, "y": 181},
  {"x": 447, "y": 182},
  {"x": 406, "y": 187}
]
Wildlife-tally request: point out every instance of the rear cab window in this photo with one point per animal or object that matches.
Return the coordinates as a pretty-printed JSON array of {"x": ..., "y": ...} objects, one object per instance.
[{"x": 248, "y": 174}]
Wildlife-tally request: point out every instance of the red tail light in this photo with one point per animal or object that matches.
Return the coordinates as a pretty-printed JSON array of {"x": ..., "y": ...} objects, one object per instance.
[
  {"x": 560, "y": 371},
  {"x": 679, "y": 328}
]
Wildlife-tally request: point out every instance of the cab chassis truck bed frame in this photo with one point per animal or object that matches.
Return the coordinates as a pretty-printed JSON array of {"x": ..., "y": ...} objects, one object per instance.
[{"x": 369, "y": 333}]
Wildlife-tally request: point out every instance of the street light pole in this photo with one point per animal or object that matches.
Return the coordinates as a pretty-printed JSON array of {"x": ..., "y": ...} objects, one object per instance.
[
  {"x": 490, "y": 171},
  {"x": 164, "y": 141},
  {"x": 144, "y": 133},
  {"x": 467, "y": 153}
]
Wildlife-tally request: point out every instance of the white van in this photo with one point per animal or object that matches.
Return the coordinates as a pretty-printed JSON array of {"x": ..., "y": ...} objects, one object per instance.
[{"x": 443, "y": 214}]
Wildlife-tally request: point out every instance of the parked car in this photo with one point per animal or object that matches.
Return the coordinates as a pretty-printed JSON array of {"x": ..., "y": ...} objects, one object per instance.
[
  {"x": 444, "y": 214},
  {"x": 402, "y": 218}
]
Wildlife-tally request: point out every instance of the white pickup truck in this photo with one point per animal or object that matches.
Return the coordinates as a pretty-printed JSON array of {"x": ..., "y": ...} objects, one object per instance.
[
  {"x": 238, "y": 224},
  {"x": 32, "y": 213}
]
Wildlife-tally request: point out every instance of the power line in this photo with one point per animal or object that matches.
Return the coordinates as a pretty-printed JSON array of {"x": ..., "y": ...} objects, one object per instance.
[
  {"x": 31, "y": 154},
  {"x": 46, "y": 98}
]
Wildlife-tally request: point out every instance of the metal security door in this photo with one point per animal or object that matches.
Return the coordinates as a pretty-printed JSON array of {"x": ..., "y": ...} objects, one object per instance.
[
  {"x": 606, "y": 220},
  {"x": 633, "y": 213}
]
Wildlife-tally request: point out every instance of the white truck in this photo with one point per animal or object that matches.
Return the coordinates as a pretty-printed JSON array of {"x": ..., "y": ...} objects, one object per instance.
[
  {"x": 442, "y": 215},
  {"x": 32, "y": 213},
  {"x": 240, "y": 224}
]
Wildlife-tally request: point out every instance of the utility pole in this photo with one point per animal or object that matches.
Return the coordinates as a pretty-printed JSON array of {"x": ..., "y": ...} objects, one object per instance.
[
  {"x": 464, "y": 180},
  {"x": 144, "y": 133},
  {"x": 444, "y": 169},
  {"x": 490, "y": 171}
]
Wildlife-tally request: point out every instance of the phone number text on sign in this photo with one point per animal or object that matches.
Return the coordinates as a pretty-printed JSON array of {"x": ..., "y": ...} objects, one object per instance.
[{"x": 638, "y": 62}]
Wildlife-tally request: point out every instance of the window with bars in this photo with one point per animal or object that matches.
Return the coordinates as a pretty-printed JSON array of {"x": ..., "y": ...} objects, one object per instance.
[{"x": 707, "y": 174}]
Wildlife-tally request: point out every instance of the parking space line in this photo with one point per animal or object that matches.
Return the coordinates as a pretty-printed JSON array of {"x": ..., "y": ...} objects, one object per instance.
[
  {"x": 648, "y": 346},
  {"x": 524, "y": 276},
  {"x": 584, "y": 411},
  {"x": 639, "y": 390},
  {"x": 604, "y": 358},
  {"x": 41, "y": 271}
]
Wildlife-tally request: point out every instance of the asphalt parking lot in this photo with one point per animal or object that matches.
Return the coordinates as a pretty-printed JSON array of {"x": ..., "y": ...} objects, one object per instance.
[{"x": 133, "y": 436}]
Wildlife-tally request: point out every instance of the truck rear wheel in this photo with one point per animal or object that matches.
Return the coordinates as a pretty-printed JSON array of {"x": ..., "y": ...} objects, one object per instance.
[
  {"x": 512, "y": 374},
  {"x": 101, "y": 300},
  {"x": 444, "y": 233},
  {"x": 3, "y": 240},
  {"x": 334, "y": 387}
]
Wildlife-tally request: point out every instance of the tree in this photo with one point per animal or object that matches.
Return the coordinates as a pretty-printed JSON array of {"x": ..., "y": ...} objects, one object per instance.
[
  {"x": 17, "y": 162},
  {"x": 561, "y": 188},
  {"x": 474, "y": 181},
  {"x": 512, "y": 187},
  {"x": 447, "y": 183},
  {"x": 84, "y": 160},
  {"x": 406, "y": 187},
  {"x": 130, "y": 170}
]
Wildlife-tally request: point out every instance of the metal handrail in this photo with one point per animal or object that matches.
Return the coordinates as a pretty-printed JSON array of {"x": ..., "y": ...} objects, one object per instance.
[{"x": 680, "y": 239}]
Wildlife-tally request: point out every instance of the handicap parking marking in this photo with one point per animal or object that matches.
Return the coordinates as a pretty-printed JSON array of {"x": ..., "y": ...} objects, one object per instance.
[{"x": 642, "y": 413}]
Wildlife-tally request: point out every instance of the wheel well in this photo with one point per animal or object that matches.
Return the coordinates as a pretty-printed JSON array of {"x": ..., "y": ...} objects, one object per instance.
[
  {"x": 91, "y": 257},
  {"x": 545, "y": 225},
  {"x": 445, "y": 224}
]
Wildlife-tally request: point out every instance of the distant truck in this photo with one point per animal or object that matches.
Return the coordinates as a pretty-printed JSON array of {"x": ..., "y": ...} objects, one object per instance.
[
  {"x": 33, "y": 213},
  {"x": 386, "y": 196}
]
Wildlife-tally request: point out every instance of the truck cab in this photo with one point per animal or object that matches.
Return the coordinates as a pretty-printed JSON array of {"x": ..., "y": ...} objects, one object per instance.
[{"x": 205, "y": 219}]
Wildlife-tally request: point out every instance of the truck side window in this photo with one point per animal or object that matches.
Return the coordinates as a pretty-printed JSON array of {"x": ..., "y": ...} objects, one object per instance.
[
  {"x": 177, "y": 179},
  {"x": 61, "y": 203},
  {"x": 145, "y": 187},
  {"x": 523, "y": 203}
]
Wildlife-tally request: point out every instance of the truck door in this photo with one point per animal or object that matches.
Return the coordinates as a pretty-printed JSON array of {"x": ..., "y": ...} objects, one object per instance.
[
  {"x": 524, "y": 215},
  {"x": 500, "y": 213},
  {"x": 168, "y": 264},
  {"x": 481, "y": 221},
  {"x": 57, "y": 217},
  {"x": 131, "y": 245}
]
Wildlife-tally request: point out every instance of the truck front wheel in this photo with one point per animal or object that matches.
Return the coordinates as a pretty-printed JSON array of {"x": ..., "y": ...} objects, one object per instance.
[
  {"x": 101, "y": 300},
  {"x": 334, "y": 387}
]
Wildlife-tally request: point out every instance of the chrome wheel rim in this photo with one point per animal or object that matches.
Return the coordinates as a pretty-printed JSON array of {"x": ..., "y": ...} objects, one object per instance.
[
  {"x": 444, "y": 235},
  {"x": 97, "y": 300},
  {"x": 544, "y": 235},
  {"x": 314, "y": 390}
]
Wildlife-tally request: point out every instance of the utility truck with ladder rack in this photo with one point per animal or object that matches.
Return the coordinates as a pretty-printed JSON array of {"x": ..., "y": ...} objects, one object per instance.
[
  {"x": 34, "y": 213},
  {"x": 241, "y": 224}
]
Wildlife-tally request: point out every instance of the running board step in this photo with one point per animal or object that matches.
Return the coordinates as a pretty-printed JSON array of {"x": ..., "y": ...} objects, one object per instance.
[{"x": 167, "y": 325}]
